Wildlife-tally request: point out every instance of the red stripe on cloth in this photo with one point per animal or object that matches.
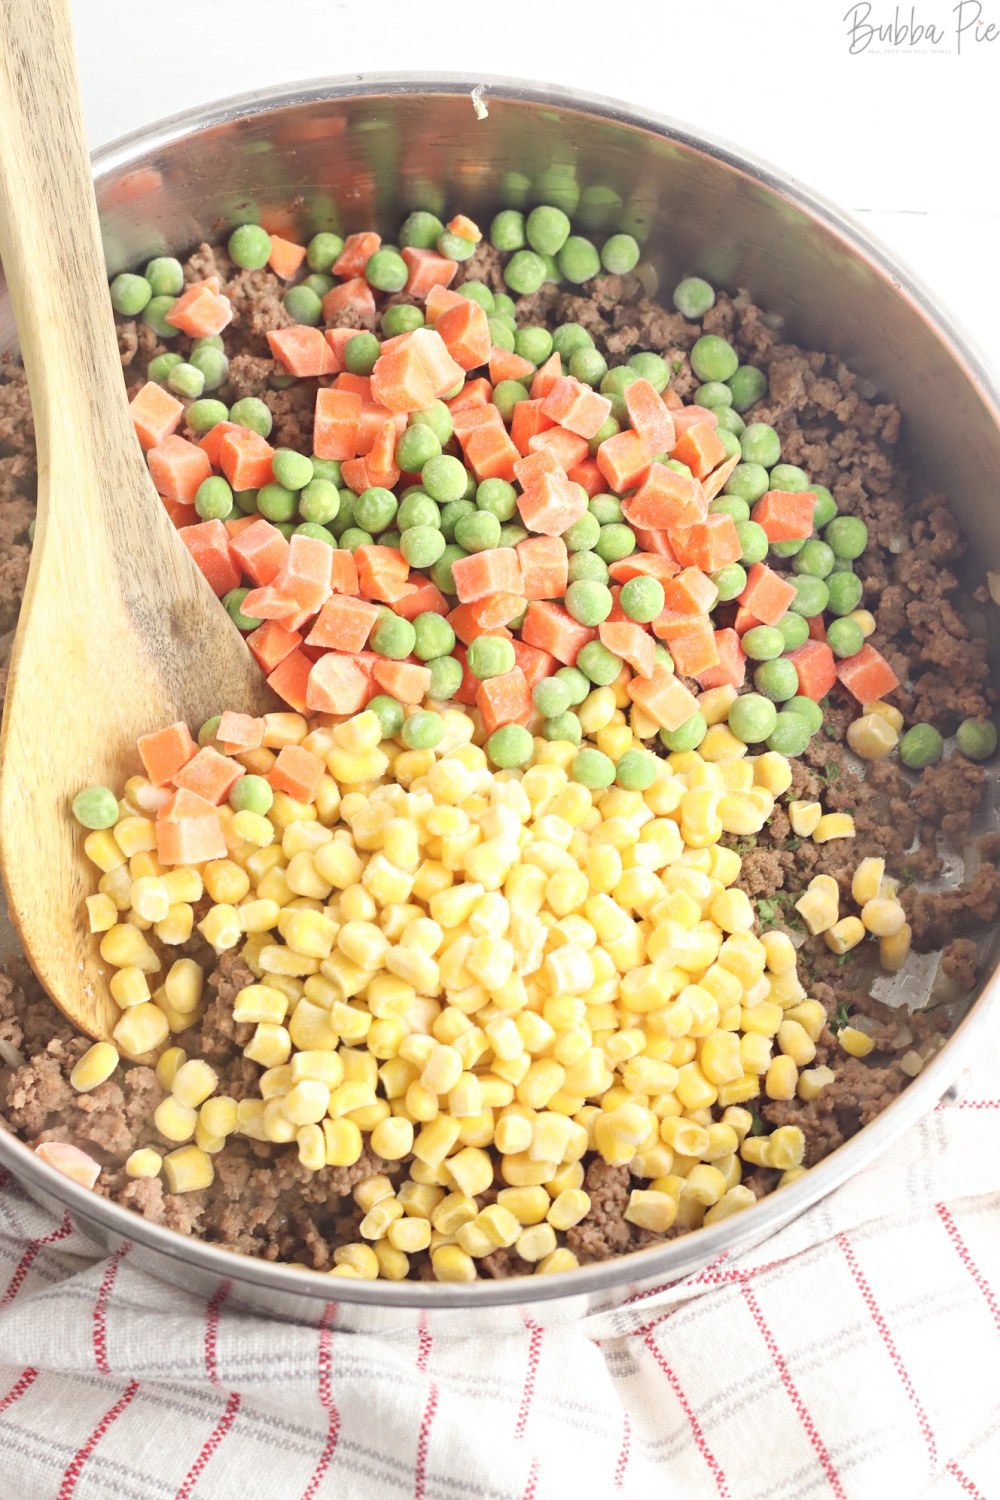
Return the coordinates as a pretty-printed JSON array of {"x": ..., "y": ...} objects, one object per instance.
[
  {"x": 28, "y": 1377},
  {"x": 78, "y": 1460},
  {"x": 424, "y": 1342},
  {"x": 528, "y": 1390},
  {"x": 791, "y": 1390},
  {"x": 28, "y": 1258},
  {"x": 878, "y": 1319},
  {"x": 101, "y": 1309},
  {"x": 531, "y": 1488},
  {"x": 212, "y": 1329},
  {"x": 962, "y": 1249},
  {"x": 714, "y": 1467},
  {"x": 222, "y": 1427},
  {"x": 326, "y": 1401},
  {"x": 623, "y": 1453},
  {"x": 970, "y": 1104},
  {"x": 665, "y": 1286},
  {"x": 964, "y": 1481}
]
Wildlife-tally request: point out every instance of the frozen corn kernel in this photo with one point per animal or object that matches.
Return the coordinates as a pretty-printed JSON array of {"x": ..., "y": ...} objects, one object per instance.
[
  {"x": 893, "y": 949},
  {"x": 651, "y": 1210},
  {"x": 193, "y": 1082},
  {"x": 844, "y": 935},
  {"x": 94, "y": 1068},
  {"x": 818, "y": 910},
  {"x": 856, "y": 1043},
  {"x": 886, "y": 711},
  {"x": 884, "y": 918},
  {"x": 867, "y": 880},
  {"x": 872, "y": 736},
  {"x": 141, "y": 1029},
  {"x": 804, "y": 816}
]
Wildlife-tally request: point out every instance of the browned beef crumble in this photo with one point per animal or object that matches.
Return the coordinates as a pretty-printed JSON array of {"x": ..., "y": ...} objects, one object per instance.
[{"x": 263, "y": 1202}]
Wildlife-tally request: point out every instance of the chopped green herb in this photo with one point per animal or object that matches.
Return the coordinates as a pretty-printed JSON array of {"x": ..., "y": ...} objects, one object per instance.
[
  {"x": 843, "y": 958},
  {"x": 757, "y": 1128},
  {"x": 907, "y": 875},
  {"x": 842, "y": 1018}
]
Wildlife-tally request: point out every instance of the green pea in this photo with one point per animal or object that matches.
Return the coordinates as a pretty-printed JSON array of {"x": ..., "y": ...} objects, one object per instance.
[
  {"x": 421, "y": 230},
  {"x": 748, "y": 481},
  {"x": 455, "y": 246},
  {"x": 729, "y": 440},
  {"x": 344, "y": 518},
  {"x": 636, "y": 770},
  {"x": 794, "y": 630},
  {"x": 578, "y": 259},
  {"x": 251, "y": 794},
  {"x": 551, "y": 697},
  {"x": 811, "y": 595},
  {"x": 498, "y": 498},
  {"x": 583, "y": 535},
  {"x": 212, "y": 365},
  {"x": 844, "y": 637},
  {"x": 714, "y": 393},
  {"x": 246, "y": 501},
  {"x": 389, "y": 713},
  {"x": 808, "y": 708},
  {"x": 287, "y": 529},
  {"x": 589, "y": 603},
  {"x": 322, "y": 250},
  {"x": 763, "y": 643},
  {"x": 730, "y": 581},
  {"x": 570, "y": 337},
  {"x": 503, "y": 307},
  {"x": 509, "y": 746},
  {"x": 788, "y": 549},
  {"x": 760, "y": 444},
  {"x": 790, "y": 478},
  {"x": 392, "y": 636},
  {"x": 303, "y": 305},
  {"x": 507, "y": 230},
  {"x": 275, "y": 503},
  {"x": 433, "y": 636},
  {"x": 415, "y": 447},
  {"x": 501, "y": 335},
  {"x": 825, "y": 508},
  {"x": 452, "y": 513},
  {"x": 642, "y": 598},
  {"x": 921, "y": 746},
  {"x": 253, "y": 413},
  {"x": 477, "y": 291},
  {"x": 386, "y": 271},
  {"x": 444, "y": 478},
  {"x": 547, "y": 229},
  {"x": 161, "y": 366},
  {"x": 361, "y": 352},
  {"x": 524, "y": 272},
  {"x": 693, "y": 297},
  {"x": 317, "y": 532},
  {"x": 154, "y": 315},
  {"x": 390, "y": 538},
  {"x": 209, "y": 730},
  {"x": 202, "y": 416},
  {"x": 599, "y": 664},
  {"x": 753, "y": 540},
  {"x": 506, "y": 395},
  {"x": 619, "y": 254},
  {"x": 446, "y": 678},
  {"x": 687, "y": 736},
  {"x": 533, "y": 343},
  {"x": 422, "y": 546},
  {"x": 563, "y": 727},
  {"x": 422, "y": 730},
  {"x": 166, "y": 275},
  {"x": 478, "y": 532},
  {"x": 249, "y": 247},
  {"x": 587, "y": 567},
  {"x": 291, "y": 469},
  {"x": 777, "y": 680},
  {"x": 588, "y": 366},
  {"x": 607, "y": 509},
  {"x": 402, "y": 318},
  {"x": 319, "y": 502},
  {"x": 130, "y": 294},
  {"x": 490, "y": 656},
  {"x": 96, "y": 807},
  {"x": 607, "y": 429},
  {"x": 213, "y": 499},
  {"x": 748, "y": 385},
  {"x": 845, "y": 592},
  {"x": 354, "y": 537},
  {"x": 437, "y": 417},
  {"x": 577, "y": 682},
  {"x": 328, "y": 469},
  {"x": 615, "y": 542},
  {"x": 375, "y": 509},
  {"x": 847, "y": 536},
  {"x": 232, "y": 603},
  {"x": 712, "y": 358},
  {"x": 814, "y": 557},
  {"x": 730, "y": 505},
  {"x": 790, "y": 734},
  {"x": 617, "y": 379},
  {"x": 752, "y": 718},
  {"x": 418, "y": 509},
  {"x": 592, "y": 769}
]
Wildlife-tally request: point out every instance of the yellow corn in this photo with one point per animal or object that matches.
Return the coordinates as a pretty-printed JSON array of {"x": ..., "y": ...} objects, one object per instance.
[
  {"x": 450, "y": 1263},
  {"x": 872, "y": 736},
  {"x": 884, "y": 918},
  {"x": 856, "y": 1043},
  {"x": 893, "y": 950},
  {"x": 844, "y": 935},
  {"x": 817, "y": 909},
  {"x": 94, "y": 1068},
  {"x": 142, "y": 1029},
  {"x": 812, "y": 1082},
  {"x": 804, "y": 816},
  {"x": 891, "y": 715},
  {"x": 650, "y": 1210},
  {"x": 188, "y": 1169}
]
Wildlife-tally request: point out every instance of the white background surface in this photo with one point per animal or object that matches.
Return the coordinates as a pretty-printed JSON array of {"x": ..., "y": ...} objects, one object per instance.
[{"x": 904, "y": 138}]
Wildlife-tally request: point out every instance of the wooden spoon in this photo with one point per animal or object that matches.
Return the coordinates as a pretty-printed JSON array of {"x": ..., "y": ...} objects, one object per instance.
[{"x": 119, "y": 633}]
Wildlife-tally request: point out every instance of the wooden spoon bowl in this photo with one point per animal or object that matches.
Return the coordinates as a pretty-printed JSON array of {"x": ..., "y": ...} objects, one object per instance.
[{"x": 119, "y": 633}]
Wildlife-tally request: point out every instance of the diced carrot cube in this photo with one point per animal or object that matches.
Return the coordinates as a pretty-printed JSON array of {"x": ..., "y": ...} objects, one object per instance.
[
  {"x": 817, "y": 669},
  {"x": 155, "y": 414},
  {"x": 690, "y": 592},
  {"x": 490, "y": 452},
  {"x": 546, "y": 376},
  {"x": 687, "y": 416},
  {"x": 297, "y": 772},
  {"x": 303, "y": 351},
  {"x": 426, "y": 599},
  {"x": 210, "y": 774},
  {"x": 482, "y": 573},
  {"x": 357, "y": 252},
  {"x": 731, "y": 670},
  {"x": 351, "y": 296},
  {"x": 466, "y": 333},
  {"x": 503, "y": 700},
  {"x": 506, "y": 365},
  {"x": 211, "y": 443},
  {"x": 474, "y": 393},
  {"x": 817, "y": 628},
  {"x": 200, "y": 311},
  {"x": 443, "y": 371},
  {"x": 359, "y": 385},
  {"x": 552, "y": 628},
  {"x": 717, "y": 479},
  {"x": 338, "y": 340},
  {"x": 588, "y": 475},
  {"x": 177, "y": 468},
  {"x": 551, "y": 504},
  {"x": 527, "y": 422},
  {"x": 485, "y": 616},
  {"x": 643, "y": 563},
  {"x": 530, "y": 467},
  {"x": 406, "y": 680},
  {"x": 70, "y": 1161},
  {"x": 439, "y": 300},
  {"x": 663, "y": 697},
  {"x": 335, "y": 426},
  {"x": 290, "y": 677},
  {"x": 344, "y": 573},
  {"x": 260, "y": 550},
  {"x": 709, "y": 545},
  {"x": 179, "y": 513},
  {"x": 576, "y": 406},
  {"x": 238, "y": 733},
  {"x": 236, "y": 524},
  {"x": 767, "y": 594},
  {"x": 382, "y": 572},
  {"x": 785, "y": 515},
  {"x": 655, "y": 542},
  {"x": 867, "y": 674},
  {"x": 692, "y": 645},
  {"x": 245, "y": 459},
  {"x": 208, "y": 544},
  {"x": 344, "y": 623},
  {"x": 666, "y": 498},
  {"x": 400, "y": 382},
  {"x": 624, "y": 461},
  {"x": 567, "y": 448},
  {"x": 544, "y": 563},
  {"x": 469, "y": 686},
  {"x": 468, "y": 418},
  {"x": 534, "y": 664},
  {"x": 337, "y": 685},
  {"x": 270, "y": 643},
  {"x": 668, "y": 618},
  {"x": 166, "y": 751},
  {"x": 188, "y": 831},
  {"x": 465, "y": 229},
  {"x": 426, "y": 269},
  {"x": 285, "y": 257},
  {"x": 650, "y": 418},
  {"x": 700, "y": 448},
  {"x": 631, "y": 643},
  {"x": 745, "y": 620},
  {"x": 306, "y": 572}
]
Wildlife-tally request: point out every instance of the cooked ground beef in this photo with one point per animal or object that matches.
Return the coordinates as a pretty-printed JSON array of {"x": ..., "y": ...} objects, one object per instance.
[{"x": 263, "y": 1202}]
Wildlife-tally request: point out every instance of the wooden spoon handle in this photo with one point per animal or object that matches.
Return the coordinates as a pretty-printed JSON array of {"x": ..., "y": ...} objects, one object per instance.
[{"x": 50, "y": 240}]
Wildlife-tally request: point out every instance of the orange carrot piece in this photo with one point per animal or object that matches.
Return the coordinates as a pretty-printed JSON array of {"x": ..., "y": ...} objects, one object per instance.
[
  {"x": 166, "y": 751},
  {"x": 270, "y": 643},
  {"x": 208, "y": 544},
  {"x": 490, "y": 452},
  {"x": 785, "y": 515},
  {"x": 380, "y": 457},
  {"x": 503, "y": 700},
  {"x": 426, "y": 269},
  {"x": 245, "y": 459},
  {"x": 344, "y": 623},
  {"x": 650, "y": 418},
  {"x": 155, "y": 414},
  {"x": 177, "y": 468},
  {"x": 631, "y": 643},
  {"x": 551, "y": 504},
  {"x": 745, "y": 620},
  {"x": 400, "y": 382},
  {"x": 552, "y": 628},
  {"x": 544, "y": 563},
  {"x": 188, "y": 831},
  {"x": 487, "y": 616},
  {"x": 439, "y": 300},
  {"x": 344, "y": 573},
  {"x": 588, "y": 475},
  {"x": 306, "y": 573},
  {"x": 179, "y": 513},
  {"x": 482, "y": 573},
  {"x": 285, "y": 257},
  {"x": 259, "y": 550},
  {"x": 382, "y": 571},
  {"x": 654, "y": 565},
  {"x": 867, "y": 674},
  {"x": 303, "y": 351},
  {"x": 236, "y": 525},
  {"x": 357, "y": 252},
  {"x": 715, "y": 481},
  {"x": 567, "y": 448},
  {"x": 665, "y": 498},
  {"x": 442, "y": 370},
  {"x": 767, "y": 594},
  {"x": 624, "y": 461},
  {"x": 663, "y": 697},
  {"x": 709, "y": 545},
  {"x": 335, "y": 425},
  {"x": 350, "y": 296},
  {"x": 690, "y": 592},
  {"x": 691, "y": 643},
  {"x": 533, "y": 465},
  {"x": 699, "y": 447},
  {"x": 687, "y": 416},
  {"x": 817, "y": 669},
  {"x": 506, "y": 365},
  {"x": 731, "y": 670},
  {"x": 200, "y": 311},
  {"x": 474, "y": 393},
  {"x": 290, "y": 677},
  {"x": 546, "y": 376},
  {"x": 406, "y": 680},
  {"x": 238, "y": 733},
  {"x": 70, "y": 1161},
  {"x": 527, "y": 422},
  {"x": 465, "y": 228},
  {"x": 817, "y": 628},
  {"x": 336, "y": 685},
  {"x": 210, "y": 774},
  {"x": 338, "y": 340},
  {"x": 297, "y": 772},
  {"x": 576, "y": 407},
  {"x": 466, "y": 334},
  {"x": 534, "y": 664},
  {"x": 426, "y": 599},
  {"x": 655, "y": 542}
]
